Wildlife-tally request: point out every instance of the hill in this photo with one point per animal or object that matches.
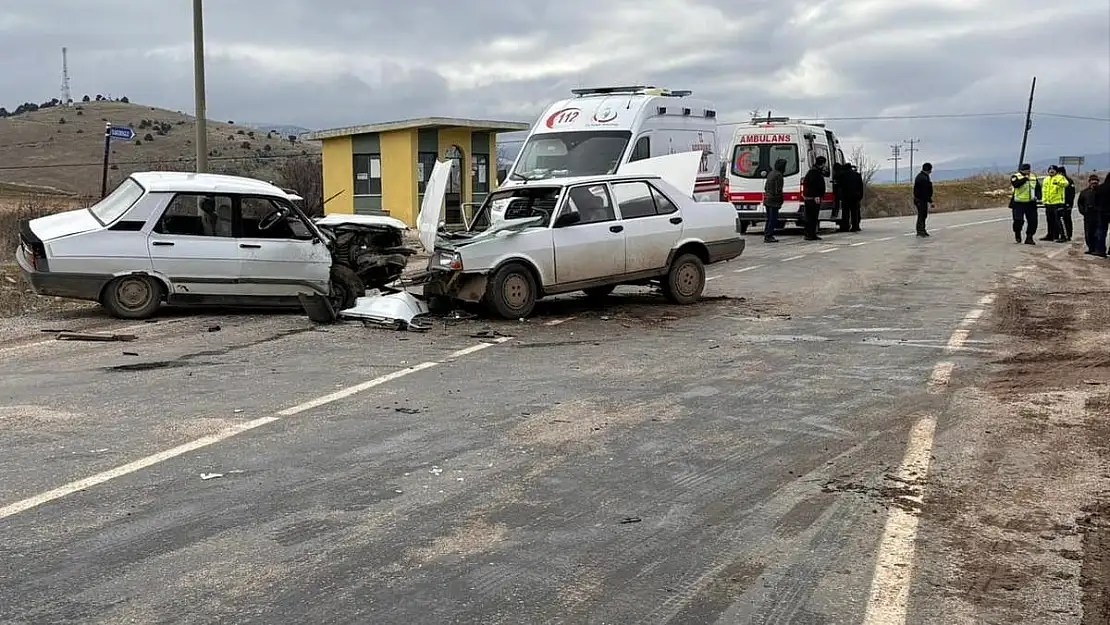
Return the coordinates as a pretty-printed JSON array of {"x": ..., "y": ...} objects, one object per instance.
[
  {"x": 63, "y": 147},
  {"x": 968, "y": 168}
]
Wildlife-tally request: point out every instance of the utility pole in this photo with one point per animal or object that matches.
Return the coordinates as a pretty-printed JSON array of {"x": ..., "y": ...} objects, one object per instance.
[
  {"x": 895, "y": 155},
  {"x": 911, "y": 149},
  {"x": 198, "y": 87},
  {"x": 67, "y": 98},
  {"x": 1028, "y": 122}
]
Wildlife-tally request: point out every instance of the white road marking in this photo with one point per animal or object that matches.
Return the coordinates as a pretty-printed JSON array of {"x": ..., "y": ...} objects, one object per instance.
[
  {"x": 875, "y": 329},
  {"x": 752, "y": 268},
  {"x": 142, "y": 463},
  {"x": 890, "y": 586},
  {"x": 794, "y": 258},
  {"x": 555, "y": 322},
  {"x": 987, "y": 299},
  {"x": 827, "y": 250},
  {"x": 958, "y": 338},
  {"x": 858, "y": 244},
  {"x": 976, "y": 223},
  {"x": 712, "y": 278},
  {"x": 884, "y": 239},
  {"x": 971, "y": 317},
  {"x": 1058, "y": 252}
]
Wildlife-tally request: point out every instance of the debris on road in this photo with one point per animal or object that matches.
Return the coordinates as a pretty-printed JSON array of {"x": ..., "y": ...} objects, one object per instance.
[
  {"x": 130, "y": 353},
  {"x": 628, "y": 520},
  {"x": 95, "y": 336},
  {"x": 214, "y": 328},
  {"x": 399, "y": 310},
  {"x": 210, "y": 476},
  {"x": 486, "y": 333},
  {"x": 407, "y": 410}
]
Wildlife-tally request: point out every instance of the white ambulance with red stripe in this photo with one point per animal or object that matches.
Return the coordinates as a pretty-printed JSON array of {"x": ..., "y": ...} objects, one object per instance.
[
  {"x": 756, "y": 146},
  {"x": 599, "y": 129}
]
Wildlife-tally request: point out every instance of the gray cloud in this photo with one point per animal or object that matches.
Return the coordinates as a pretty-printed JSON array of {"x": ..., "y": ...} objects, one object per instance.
[{"x": 324, "y": 63}]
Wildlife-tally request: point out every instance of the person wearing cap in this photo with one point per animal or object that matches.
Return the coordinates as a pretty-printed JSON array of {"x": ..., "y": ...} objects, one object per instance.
[
  {"x": 1023, "y": 203},
  {"x": 923, "y": 197},
  {"x": 1094, "y": 229},
  {"x": 813, "y": 186},
  {"x": 1069, "y": 202}
]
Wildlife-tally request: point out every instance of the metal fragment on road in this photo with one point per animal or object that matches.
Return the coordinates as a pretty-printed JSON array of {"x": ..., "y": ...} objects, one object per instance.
[{"x": 95, "y": 336}]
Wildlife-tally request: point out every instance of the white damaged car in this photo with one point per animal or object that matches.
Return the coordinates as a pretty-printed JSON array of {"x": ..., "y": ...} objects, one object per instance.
[
  {"x": 641, "y": 226},
  {"x": 205, "y": 239}
]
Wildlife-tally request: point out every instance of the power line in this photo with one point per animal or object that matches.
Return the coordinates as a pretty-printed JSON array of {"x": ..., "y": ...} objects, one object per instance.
[
  {"x": 182, "y": 159},
  {"x": 895, "y": 155}
]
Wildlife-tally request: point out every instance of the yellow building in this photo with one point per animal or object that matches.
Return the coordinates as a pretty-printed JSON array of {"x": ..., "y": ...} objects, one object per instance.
[{"x": 380, "y": 169}]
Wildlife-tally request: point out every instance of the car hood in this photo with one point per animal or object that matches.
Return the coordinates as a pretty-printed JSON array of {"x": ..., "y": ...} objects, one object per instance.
[
  {"x": 680, "y": 170},
  {"x": 361, "y": 220},
  {"x": 431, "y": 208},
  {"x": 64, "y": 224}
]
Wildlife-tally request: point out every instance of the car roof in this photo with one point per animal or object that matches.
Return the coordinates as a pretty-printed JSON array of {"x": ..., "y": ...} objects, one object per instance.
[
  {"x": 190, "y": 182},
  {"x": 573, "y": 180}
]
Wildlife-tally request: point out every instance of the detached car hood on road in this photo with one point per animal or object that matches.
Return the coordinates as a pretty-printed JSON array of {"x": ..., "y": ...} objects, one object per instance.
[{"x": 64, "y": 224}]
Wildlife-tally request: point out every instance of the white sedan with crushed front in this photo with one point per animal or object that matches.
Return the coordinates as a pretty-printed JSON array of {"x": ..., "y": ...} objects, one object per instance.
[{"x": 583, "y": 234}]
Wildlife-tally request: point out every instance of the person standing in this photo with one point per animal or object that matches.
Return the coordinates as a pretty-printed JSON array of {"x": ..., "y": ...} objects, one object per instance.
[
  {"x": 1088, "y": 208},
  {"x": 1052, "y": 194},
  {"x": 839, "y": 204},
  {"x": 1023, "y": 203},
  {"x": 773, "y": 199},
  {"x": 923, "y": 197},
  {"x": 814, "y": 192},
  {"x": 855, "y": 196},
  {"x": 1069, "y": 203},
  {"x": 1102, "y": 202}
]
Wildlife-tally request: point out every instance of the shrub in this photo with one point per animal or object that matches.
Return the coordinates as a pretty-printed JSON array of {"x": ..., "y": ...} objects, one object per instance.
[
  {"x": 62, "y": 120},
  {"x": 246, "y": 145},
  {"x": 148, "y": 137},
  {"x": 305, "y": 175},
  {"x": 138, "y": 142},
  {"x": 240, "y": 132},
  {"x": 266, "y": 148}
]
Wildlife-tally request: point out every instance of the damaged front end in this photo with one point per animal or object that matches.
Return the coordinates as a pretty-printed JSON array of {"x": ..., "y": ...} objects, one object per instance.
[{"x": 373, "y": 247}]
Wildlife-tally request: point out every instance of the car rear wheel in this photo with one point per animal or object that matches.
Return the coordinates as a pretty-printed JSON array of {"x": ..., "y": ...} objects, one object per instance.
[
  {"x": 346, "y": 288},
  {"x": 685, "y": 281},
  {"x": 132, "y": 297},
  {"x": 511, "y": 292}
]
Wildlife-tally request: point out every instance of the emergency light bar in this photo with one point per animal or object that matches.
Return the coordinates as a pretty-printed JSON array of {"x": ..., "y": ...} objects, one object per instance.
[{"x": 633, "y": 89}]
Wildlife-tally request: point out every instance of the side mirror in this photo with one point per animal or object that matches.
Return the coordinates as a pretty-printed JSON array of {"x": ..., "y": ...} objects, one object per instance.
[{"x": 568, "y": 219}]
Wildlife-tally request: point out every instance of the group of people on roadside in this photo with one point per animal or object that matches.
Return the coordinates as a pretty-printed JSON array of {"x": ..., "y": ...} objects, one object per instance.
[
  {"x": 847, "y": 190},
  {"x": 1058, "y": 193}
]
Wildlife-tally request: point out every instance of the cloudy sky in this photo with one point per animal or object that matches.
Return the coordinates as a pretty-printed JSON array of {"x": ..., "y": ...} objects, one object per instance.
[{"x": 326, "y": 63}]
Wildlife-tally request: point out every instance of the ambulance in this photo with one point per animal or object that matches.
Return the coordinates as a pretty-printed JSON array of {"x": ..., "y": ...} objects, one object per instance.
[
  {"x": 601, "y": 128},
  {"x": 756, "y": 146}
]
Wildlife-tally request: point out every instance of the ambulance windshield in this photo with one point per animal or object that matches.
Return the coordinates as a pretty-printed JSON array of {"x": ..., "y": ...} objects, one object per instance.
[
  {"x": 567, "y": 154},
  {"x": 755, "y": 160}
]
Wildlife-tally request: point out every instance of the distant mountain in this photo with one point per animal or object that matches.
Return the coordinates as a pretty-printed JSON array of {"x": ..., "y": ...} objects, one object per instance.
[
  {"x": 965, "y": 168},
  {"x": 282, "y": 129}
]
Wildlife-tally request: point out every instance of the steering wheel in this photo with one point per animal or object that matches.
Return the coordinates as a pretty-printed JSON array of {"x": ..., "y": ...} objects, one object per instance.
[{"x": 271, "y": 220}]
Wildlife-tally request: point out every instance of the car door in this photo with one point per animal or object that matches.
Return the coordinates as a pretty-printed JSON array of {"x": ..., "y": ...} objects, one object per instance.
[
  {"x": 592, "y": 247},
  {"x": 193, "y": 246},
  {"x": 652, "y": 225},
  {"x": 282, "y": 259}
]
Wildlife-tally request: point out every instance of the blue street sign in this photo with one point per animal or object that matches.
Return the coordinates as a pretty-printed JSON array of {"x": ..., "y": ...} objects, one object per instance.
[{"x": 121, "y": 132}]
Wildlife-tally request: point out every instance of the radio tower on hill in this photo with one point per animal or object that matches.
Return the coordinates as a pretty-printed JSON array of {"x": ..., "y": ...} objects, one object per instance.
[{"x": 67, "y": 98}]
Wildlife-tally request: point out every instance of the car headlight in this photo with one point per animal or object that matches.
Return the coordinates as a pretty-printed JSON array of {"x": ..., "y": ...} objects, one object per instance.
[{"x": 448, "y": 260}]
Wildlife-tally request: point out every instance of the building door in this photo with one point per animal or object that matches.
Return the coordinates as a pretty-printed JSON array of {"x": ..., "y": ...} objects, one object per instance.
[{"x": 454, "y": 197}]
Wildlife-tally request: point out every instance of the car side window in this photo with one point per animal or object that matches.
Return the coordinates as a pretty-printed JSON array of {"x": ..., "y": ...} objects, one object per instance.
[
  {"x": 592, "y": 203},
  {"x": 197, "y": 215},
  {"x": 634, "y": 199},
  {"x": 663, "y": 204},
  {"x": 254, "y": 211}
]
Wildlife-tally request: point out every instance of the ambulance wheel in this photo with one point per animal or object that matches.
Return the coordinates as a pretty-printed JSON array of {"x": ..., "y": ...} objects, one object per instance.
[{"x": 744, "y": 225}]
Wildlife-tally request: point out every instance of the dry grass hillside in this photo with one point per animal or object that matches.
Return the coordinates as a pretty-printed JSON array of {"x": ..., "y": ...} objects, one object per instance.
[{"x": 62, "y": 148}]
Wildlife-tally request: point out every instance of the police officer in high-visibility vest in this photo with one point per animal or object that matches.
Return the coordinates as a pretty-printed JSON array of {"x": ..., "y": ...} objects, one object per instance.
[{"x": 1023, "y": 203}]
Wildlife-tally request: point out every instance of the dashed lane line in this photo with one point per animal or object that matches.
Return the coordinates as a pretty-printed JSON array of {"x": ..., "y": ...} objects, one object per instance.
[
  {"x": 555, "y": 322},
  {"x": 827, "y": 250},
  {"x": 800, "y": 256},
  {"x": 858, "y": 243},
  {"x": 752, "y": 268},
  {"x": 153, "y": 459}
]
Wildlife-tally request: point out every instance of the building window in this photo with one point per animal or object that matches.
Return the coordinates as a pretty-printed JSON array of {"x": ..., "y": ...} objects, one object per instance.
[
  {"x": 479, "y": 175},
  {"x": 368, "y": 174},
  {"x": 425, "y": 163}
]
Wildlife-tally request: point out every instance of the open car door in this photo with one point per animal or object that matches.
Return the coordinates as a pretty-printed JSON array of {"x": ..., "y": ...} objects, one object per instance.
[{"x": 431, "y": 209}]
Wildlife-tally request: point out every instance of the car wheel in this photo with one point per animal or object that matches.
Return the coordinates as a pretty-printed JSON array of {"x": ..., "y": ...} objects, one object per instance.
[
  {"x": 599, "y": 292},
  {"x": 511, "y": 292},
  {"x": 132, "y": 297},
  {"x": 685, "y": 281},
  {"x": 346, "y": 288},
  {"x": 744, "y": 225}
]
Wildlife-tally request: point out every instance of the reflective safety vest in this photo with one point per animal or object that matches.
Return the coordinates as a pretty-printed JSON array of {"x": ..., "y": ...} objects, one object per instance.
[
  {"x": 1027, "y": 192},
  {"x": 1052, "y": 189}
]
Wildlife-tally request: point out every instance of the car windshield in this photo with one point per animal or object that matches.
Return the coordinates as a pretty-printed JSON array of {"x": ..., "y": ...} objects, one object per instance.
[
  {"x": 756, "y": 160},
  {"x": 518, "y": 203},
  {"x": 565, "y": 154},
  {"x": 116, "y": 203}
]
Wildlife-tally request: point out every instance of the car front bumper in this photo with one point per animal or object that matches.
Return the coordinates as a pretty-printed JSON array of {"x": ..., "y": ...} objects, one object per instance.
[{"x": 70, "y": 285}]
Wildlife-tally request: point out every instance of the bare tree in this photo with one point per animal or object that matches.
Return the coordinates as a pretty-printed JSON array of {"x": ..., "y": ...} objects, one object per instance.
[
  {"x": 866, "y": 166},
  {"x": 305, "y": 176}
]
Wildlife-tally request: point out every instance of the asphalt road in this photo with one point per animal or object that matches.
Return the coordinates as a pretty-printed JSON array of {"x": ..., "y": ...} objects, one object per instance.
[{"x": 633, "y": 463}]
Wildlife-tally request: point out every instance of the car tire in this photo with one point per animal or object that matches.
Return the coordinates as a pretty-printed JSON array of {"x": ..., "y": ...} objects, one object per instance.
[
  {"x": 133, "y": 297},
  {"x": 744, "y": 225},
  {"x": 511, "y": 292},
  {"x": 685, "y": 280},
  {"x": 346, "y": 288},
  {"x": 599, "y": 292}
]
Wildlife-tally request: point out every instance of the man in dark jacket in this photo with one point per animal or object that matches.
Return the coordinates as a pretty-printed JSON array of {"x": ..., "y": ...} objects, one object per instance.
[
  {"x": 923, "y": 197},
  {"x": 1102, "y": 201},
  {"x": 1069, "y": 203},
  {"x": 773, "y": 199},
  {"x": 814, "y": 191},
  {"x": 853, "y": 192},
  {"x": 1088, "y": 208},
  {"x": 839, "y": 204}
]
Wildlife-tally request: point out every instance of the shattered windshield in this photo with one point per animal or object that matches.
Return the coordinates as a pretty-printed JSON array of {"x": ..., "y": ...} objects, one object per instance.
[
  {"x": 518, "y": 203},
  {"x": 566, "y": 154}
]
